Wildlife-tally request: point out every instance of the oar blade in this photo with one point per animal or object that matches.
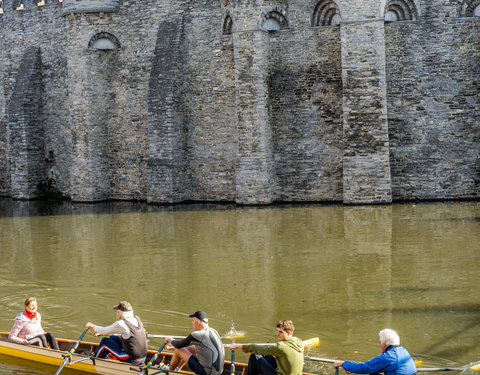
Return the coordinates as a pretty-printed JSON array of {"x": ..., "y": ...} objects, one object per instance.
[
  {"x": 310, "y": 343},
  {"x": 233, "y": 335},
  {"x": 472, "y": 369}
]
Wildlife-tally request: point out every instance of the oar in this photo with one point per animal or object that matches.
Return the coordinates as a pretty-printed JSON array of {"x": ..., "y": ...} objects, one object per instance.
[
  {"x": 466, "y": 367},
  {"x": 310, "y": 342},
  {"x": 232, "y": 364},
  {"x": 182, "y": 337},
  {"x": 316, "y": 359},
  {"x": 419, "y": 369},
  {"x": 163, "y": 336},
  {"x": 68, "y": 357},
  {"x": 144, "y": 369},
  {"x": 233, "y": 336},
  {"x": 427, "y": 369}
]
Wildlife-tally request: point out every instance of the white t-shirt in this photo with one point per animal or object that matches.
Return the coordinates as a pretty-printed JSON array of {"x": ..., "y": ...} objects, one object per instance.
[{"x": 119, "y": 327}]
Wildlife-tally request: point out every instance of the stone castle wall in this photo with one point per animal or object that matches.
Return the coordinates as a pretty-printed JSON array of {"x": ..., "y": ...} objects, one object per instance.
[
  {"x": 434, "y": 108},
  {"x": 42, "y": 28},
  {"x": 168, "y": 101}
]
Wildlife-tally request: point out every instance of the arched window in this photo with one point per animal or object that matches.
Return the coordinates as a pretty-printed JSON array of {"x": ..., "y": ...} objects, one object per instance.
[
  {"x": 469, "y": 8},
  {"x": 227, "y": 25},
  {"x": 326, "y": 13},
  {"x": 275, "y": 19},
  {"x": 400, "y": 10},
  {"x": 104, "y": 41}
]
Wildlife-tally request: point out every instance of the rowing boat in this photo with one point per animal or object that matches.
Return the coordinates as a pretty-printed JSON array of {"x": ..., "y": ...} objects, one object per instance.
[{"x": 82, "y": 358}]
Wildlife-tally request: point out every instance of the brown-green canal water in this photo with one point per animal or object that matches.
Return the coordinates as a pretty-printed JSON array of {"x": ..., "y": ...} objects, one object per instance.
[{"x": 340, "y": 273}]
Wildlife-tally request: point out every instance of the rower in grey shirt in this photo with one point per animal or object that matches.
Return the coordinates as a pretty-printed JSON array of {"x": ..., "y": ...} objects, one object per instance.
[{"x": 202, "y": 349}]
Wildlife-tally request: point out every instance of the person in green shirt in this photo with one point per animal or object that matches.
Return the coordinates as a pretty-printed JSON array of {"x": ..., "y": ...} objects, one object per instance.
[{"x": 283, "y": 358}]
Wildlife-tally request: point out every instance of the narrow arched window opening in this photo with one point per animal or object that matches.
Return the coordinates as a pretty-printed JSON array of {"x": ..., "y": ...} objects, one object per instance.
[
  {"x": 400, "y": 10},
  {"x": 104, "y": 41},
  {"x": 274, "y": 20},
  {"x": 326, "y": 13},
  {"x": 469, "y": 8},
  {"x": 227, "y": 25}
]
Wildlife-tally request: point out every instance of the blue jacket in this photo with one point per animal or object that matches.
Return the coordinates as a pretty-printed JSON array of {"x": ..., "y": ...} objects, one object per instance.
[{"x": 394, "y": 361}]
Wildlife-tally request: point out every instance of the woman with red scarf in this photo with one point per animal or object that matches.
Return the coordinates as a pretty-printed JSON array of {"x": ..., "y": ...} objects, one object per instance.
[{"x": 27, "y": 328}]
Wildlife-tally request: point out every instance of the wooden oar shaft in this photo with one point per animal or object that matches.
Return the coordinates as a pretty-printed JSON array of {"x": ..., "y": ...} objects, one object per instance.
[{"x": 163, "y": 336}]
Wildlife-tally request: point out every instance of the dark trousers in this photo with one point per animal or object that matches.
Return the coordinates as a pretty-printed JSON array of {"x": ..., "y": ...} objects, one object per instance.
[
  {"x": 195, "y": 366},
  {"x": 46, "y": 340},
  {"x": 261, "y": 365},
  {"x": 112, "y": 347}
]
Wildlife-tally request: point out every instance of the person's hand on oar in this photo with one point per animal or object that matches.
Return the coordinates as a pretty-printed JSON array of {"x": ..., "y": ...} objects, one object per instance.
[
  {"x": 168, "y": 340},
  {"x": 92, "y": 326},
  {"x": 337, "y": 365}
]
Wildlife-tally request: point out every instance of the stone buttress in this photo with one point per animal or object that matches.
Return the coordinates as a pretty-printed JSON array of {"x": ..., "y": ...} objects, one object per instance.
[
  {"x": 254, "y": 172},
  {"x": 91, "y": 101},
  {"x": 366, "y": 161},
  {"x": 25, "y": 135}
]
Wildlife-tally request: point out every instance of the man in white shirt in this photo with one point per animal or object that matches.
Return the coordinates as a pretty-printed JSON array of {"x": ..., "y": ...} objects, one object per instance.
[{"x": 131, "y": 345}]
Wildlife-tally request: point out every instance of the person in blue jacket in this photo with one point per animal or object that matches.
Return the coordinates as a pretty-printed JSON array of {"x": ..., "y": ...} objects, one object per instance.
[{"x": 394, "y": 360}]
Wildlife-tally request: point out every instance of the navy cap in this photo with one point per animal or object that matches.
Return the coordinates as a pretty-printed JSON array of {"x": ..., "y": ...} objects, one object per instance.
[{"x": 201, "y": 315}]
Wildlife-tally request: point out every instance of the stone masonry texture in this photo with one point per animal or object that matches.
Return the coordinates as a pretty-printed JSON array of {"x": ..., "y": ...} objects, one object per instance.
[{"x": 165, "y": 101}]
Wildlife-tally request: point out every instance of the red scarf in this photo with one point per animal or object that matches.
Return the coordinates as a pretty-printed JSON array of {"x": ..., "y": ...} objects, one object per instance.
[{"x": 30, "y": 315}]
